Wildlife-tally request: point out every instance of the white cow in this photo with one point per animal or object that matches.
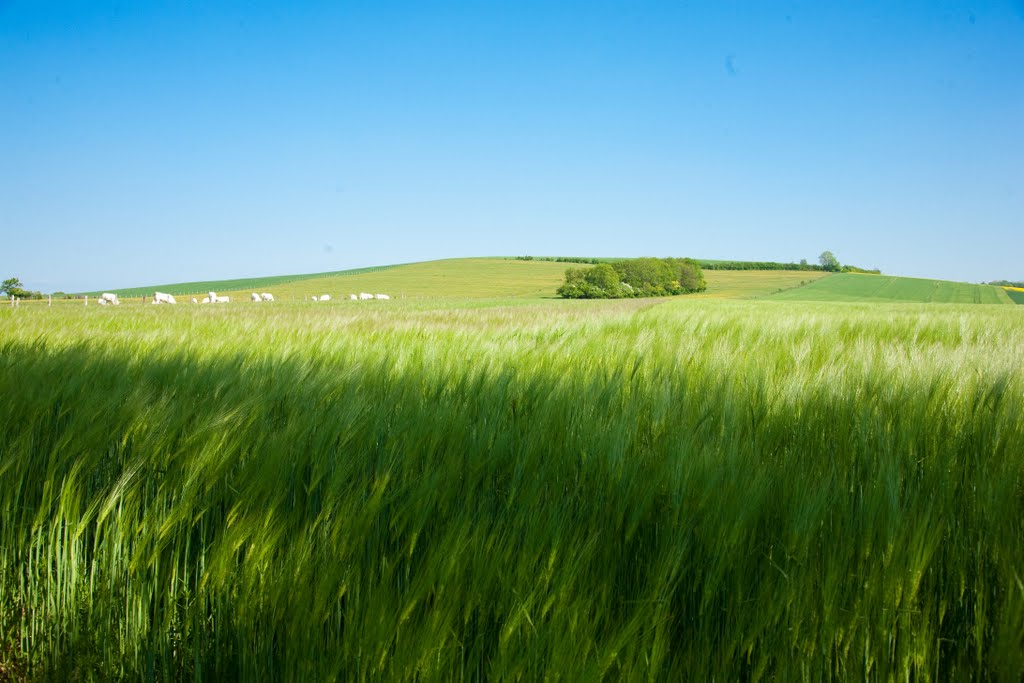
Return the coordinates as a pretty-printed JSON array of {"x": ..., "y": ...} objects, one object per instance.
[
  {"x": 255, "y": 297},
  {"x": 325, "y": 297},
  {"x": 161, "y": 298},
  {"x": 110, "y": 298},
  {"x": 383, "y": 296},
  {"x": 214, "y": 299},
  {"x": 205, "y": 300},
  {"x": 314, "y": 298},
  {"x": 363, "y": 296},
  {"x": 353, "y": 297},
  {"x": 101, "y": 302},
  {"x": 267, "y": 296}
]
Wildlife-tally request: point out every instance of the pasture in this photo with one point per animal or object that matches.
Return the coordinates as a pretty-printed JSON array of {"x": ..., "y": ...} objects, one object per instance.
[
  {"x": 889, "y": 288},
  {"x": 511, "y": 489}
]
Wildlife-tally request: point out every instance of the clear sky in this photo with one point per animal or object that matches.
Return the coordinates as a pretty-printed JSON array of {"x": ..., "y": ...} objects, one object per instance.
[{"x": 144, "y": 143}]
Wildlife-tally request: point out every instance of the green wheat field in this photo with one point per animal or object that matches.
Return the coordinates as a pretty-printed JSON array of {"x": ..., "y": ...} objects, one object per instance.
[{"x": 514, "y": 488}]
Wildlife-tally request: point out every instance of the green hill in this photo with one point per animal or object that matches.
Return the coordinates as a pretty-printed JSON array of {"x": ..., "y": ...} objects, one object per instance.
[
  {"x": 860, "y": 287},
  {"x": 497, "y": 277},
  {"x": 458, "y": 278},
  {"x": 237, "y": 284}
]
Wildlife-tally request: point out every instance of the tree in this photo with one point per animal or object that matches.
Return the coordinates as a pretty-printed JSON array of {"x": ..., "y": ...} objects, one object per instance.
[
  {"x": 633, "y": 278},
  {"x": 828, "y": 261},
  {"x": 11, "y": 286}
]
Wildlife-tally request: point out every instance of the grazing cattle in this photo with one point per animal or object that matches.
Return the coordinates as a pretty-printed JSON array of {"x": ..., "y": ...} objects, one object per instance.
[
  {"x": 194, "y": 300},
  {"x": 161, "y": 298},
  {"x": 325, "y": 297},
  {"x": 214, "y": 299},
  {"x": 314, "y": 298},
  {"x": 255, "y": 297},
  {"x": 205, "y": 300},
  {"x": 267, "y": 296},
  {"x": 363, "y": 296},
  {"x": 101, "y": 302},
  {"x": 383, "y": 296},
  {"x": 109, "y": 298},
  {"x": 353, "y": 297}
]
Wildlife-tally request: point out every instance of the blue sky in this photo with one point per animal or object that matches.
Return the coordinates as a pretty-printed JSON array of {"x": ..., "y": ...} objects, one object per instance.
[{"x": 144, "y": 143}]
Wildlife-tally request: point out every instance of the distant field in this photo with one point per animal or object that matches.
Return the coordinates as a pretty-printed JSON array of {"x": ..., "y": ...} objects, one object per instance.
[
  {"x": 887, "y": 288},
  {"x": 1016, "y": 295},
  {"x": 457, "y": 278},
  {"x": 503, "y": 278},
  {"x": 252, "y": 283},
  {"x": 451, "y": 278},
  {"x": 498, "y": 278},
  {"x": 749, "y": 284}
]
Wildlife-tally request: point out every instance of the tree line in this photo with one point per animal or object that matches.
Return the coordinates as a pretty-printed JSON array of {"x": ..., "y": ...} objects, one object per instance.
[{"x": 638, "y": 277}]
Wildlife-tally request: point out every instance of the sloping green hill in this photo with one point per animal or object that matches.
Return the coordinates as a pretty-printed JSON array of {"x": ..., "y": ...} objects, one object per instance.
[
  {"x": 496, "y": 277},
  {"x": 1016, "y": 295},
  {"x": 860, "y": 287},
  {"x": 237, "y": 284},
  {"x": 451, "y": 278}
]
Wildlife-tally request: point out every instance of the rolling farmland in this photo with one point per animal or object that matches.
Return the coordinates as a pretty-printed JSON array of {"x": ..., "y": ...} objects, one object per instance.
[
  {"x": 469, "y": 278},
  {"x": 516, "y": 489},
  {"x": 862, "y": 288}
]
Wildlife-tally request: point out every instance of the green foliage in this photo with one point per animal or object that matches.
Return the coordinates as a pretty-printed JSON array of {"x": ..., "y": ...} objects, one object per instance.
[
  {"x": 11, "y": 285},
  {"x": 757, "y": 265},
  {"x": 1007, "y": 283},
  {"x": 639, "y": 277},
  {"x": 828, "y": 261},
  {"x": 616, "y": 491},
  {"x": 14, "y": 287},
  {"x": 563, "y": 259}
]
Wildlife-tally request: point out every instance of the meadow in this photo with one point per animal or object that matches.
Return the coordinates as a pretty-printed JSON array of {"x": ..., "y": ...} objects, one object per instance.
[{"x": 512, "y": 489}]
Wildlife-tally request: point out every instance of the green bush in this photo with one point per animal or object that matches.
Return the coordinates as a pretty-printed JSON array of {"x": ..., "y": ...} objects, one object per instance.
[{"x": 637, "y": 277}]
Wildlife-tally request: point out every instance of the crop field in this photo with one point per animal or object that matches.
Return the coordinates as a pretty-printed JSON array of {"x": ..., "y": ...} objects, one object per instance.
[
  {"x": 468, "y": 278},
  {"x": 512, "y": 490},
  {"x": 496, "y": 278},
  {"x": 749, "y": 284},
  {"x": 237, "y": 284},
  {"x": 862, "y": 287},
  {"x": 1016, "y": 294}
]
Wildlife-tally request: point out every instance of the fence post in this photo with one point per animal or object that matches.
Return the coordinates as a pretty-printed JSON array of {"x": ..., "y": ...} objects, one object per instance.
[
  {"x": 86, "y": 299},
  {"x": 12, "y": 301},
  {"x": 49, "y": 299}
]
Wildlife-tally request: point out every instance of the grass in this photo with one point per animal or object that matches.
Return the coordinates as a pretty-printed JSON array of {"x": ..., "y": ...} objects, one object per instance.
[
  {"x": 1015, "y": 294},
  {"x": 749, "y": 284},
  {"x": 861, "y": 287},
  {"x": 471, "y": 278},
  {"x": 690, "y": 490},
  {"x": 237, "y": 284},
  {"x": 496, "y": 278},
  {"x": 452, "y": 278}
]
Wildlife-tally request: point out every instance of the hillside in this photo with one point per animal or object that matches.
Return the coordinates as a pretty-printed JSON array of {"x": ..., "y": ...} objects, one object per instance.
[
  {"x": 470, "y": 278},
  {"x": 497, "y": 278},
  {"x": 889, "y": 288}
]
